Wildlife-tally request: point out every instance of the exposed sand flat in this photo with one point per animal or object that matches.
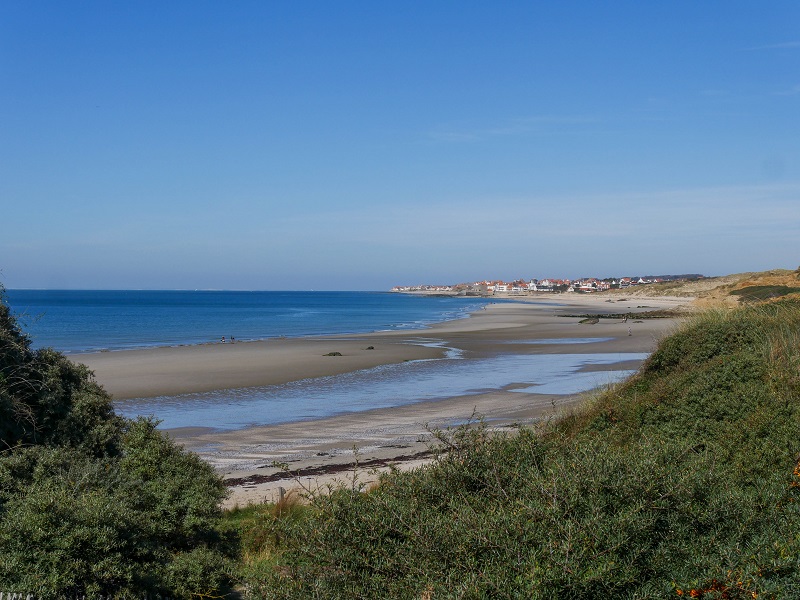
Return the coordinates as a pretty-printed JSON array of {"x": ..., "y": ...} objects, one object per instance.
[
  {"x": 184, "y": 369},
  {"x": 382, "y": 434}
]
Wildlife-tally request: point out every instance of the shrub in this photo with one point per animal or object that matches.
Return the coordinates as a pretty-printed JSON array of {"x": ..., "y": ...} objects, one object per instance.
[
  {"x": 46, "y": 399},
  {"x": 90, "y": 503},
  {"x": 755, "y": 293}
]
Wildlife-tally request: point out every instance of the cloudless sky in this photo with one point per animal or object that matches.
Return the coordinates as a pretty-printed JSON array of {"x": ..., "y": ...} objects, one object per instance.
[{"x": 359, "y": 145}]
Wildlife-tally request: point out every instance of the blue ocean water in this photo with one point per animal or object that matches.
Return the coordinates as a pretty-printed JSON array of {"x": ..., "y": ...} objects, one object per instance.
[{"x": 83, "y": 321}]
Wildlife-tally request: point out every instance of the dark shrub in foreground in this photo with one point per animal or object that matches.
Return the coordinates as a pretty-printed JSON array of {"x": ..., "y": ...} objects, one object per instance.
[{"x": 90, "y": 503}]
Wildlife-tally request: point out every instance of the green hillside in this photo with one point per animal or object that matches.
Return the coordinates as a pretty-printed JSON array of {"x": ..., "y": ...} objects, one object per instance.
[{"x": 682, "y": 482}]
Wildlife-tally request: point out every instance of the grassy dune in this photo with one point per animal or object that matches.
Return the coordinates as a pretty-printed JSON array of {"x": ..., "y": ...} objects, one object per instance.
[
  {"x": 724, "y": 290},
  {"x": 682, "y": 482}
]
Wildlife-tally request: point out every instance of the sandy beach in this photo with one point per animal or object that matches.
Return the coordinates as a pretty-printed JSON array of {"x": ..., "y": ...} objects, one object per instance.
[{"x": 322, "y": 451}]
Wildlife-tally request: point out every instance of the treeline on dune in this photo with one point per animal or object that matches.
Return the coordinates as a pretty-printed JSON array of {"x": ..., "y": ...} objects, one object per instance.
[{"x": 684, "y": 481}]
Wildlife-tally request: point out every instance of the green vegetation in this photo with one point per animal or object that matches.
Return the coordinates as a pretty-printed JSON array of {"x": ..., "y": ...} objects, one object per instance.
[
  {"x": 764, "y": 292},
  {"x": 91, "y": 503},
  {"x": 683, "y": 481}
]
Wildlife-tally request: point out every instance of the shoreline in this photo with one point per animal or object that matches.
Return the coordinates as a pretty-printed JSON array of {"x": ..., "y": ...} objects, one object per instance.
[
  {"x": 89, "y": 352},
  {"x": 325, "y": 447},
  {"x": 454, "y": 313}
]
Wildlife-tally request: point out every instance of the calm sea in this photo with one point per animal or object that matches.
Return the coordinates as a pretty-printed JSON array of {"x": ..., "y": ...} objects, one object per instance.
[{"x": 82, "y": 321}]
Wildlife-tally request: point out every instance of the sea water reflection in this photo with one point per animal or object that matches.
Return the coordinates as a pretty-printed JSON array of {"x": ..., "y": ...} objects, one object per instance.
[{"x": 381, "y": 387}]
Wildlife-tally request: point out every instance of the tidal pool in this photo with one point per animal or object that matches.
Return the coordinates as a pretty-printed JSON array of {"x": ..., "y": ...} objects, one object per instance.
[
  {"x": 381, "y": 387},
  {"x": 565, "y": 341}
]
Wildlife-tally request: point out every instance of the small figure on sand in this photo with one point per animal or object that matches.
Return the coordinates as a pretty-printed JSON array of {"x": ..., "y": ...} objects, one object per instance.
[
  {"x": 223, "y": 339},
  {"x": 629, "y": 331}
]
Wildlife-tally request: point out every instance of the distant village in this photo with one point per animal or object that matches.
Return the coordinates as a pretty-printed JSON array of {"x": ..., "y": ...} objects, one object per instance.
[{"x": 524, "y": 287}]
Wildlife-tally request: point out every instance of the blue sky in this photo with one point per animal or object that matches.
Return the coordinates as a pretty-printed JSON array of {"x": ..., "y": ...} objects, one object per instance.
[{"x": 359, "y": 145}]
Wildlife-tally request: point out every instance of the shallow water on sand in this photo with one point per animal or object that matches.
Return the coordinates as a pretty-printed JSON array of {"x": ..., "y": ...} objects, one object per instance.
[
  {"x": 382, "y": 387},
  {"x": 564, "y": 341}
]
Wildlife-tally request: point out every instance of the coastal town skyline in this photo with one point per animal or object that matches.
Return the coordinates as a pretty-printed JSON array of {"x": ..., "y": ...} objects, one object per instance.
[{"x": 523, "y": 285}]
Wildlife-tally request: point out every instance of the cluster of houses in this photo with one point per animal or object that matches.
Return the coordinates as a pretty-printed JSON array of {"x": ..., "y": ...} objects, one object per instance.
[{"x": 521, "y": 286}]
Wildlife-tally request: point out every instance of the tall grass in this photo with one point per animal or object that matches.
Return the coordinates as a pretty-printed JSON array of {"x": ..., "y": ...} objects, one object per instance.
[{"x": 683, "y": 481}]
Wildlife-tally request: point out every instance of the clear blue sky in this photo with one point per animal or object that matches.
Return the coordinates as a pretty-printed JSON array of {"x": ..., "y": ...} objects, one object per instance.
[{"x": 358, "y": 145}]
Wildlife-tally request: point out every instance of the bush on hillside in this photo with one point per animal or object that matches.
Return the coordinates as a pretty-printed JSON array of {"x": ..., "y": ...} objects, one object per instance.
[
  {"x": 756, "y": 293},
  {"x": 47, "y": 400},
  {"x": 91, "y": 503},
  {"x": 684, "y": 481}
]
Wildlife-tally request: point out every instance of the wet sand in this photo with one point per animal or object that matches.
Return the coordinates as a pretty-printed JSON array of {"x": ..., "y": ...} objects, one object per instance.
[
  {"x": 152, "y": 372},
  {"x": 322, "y": 451}
]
